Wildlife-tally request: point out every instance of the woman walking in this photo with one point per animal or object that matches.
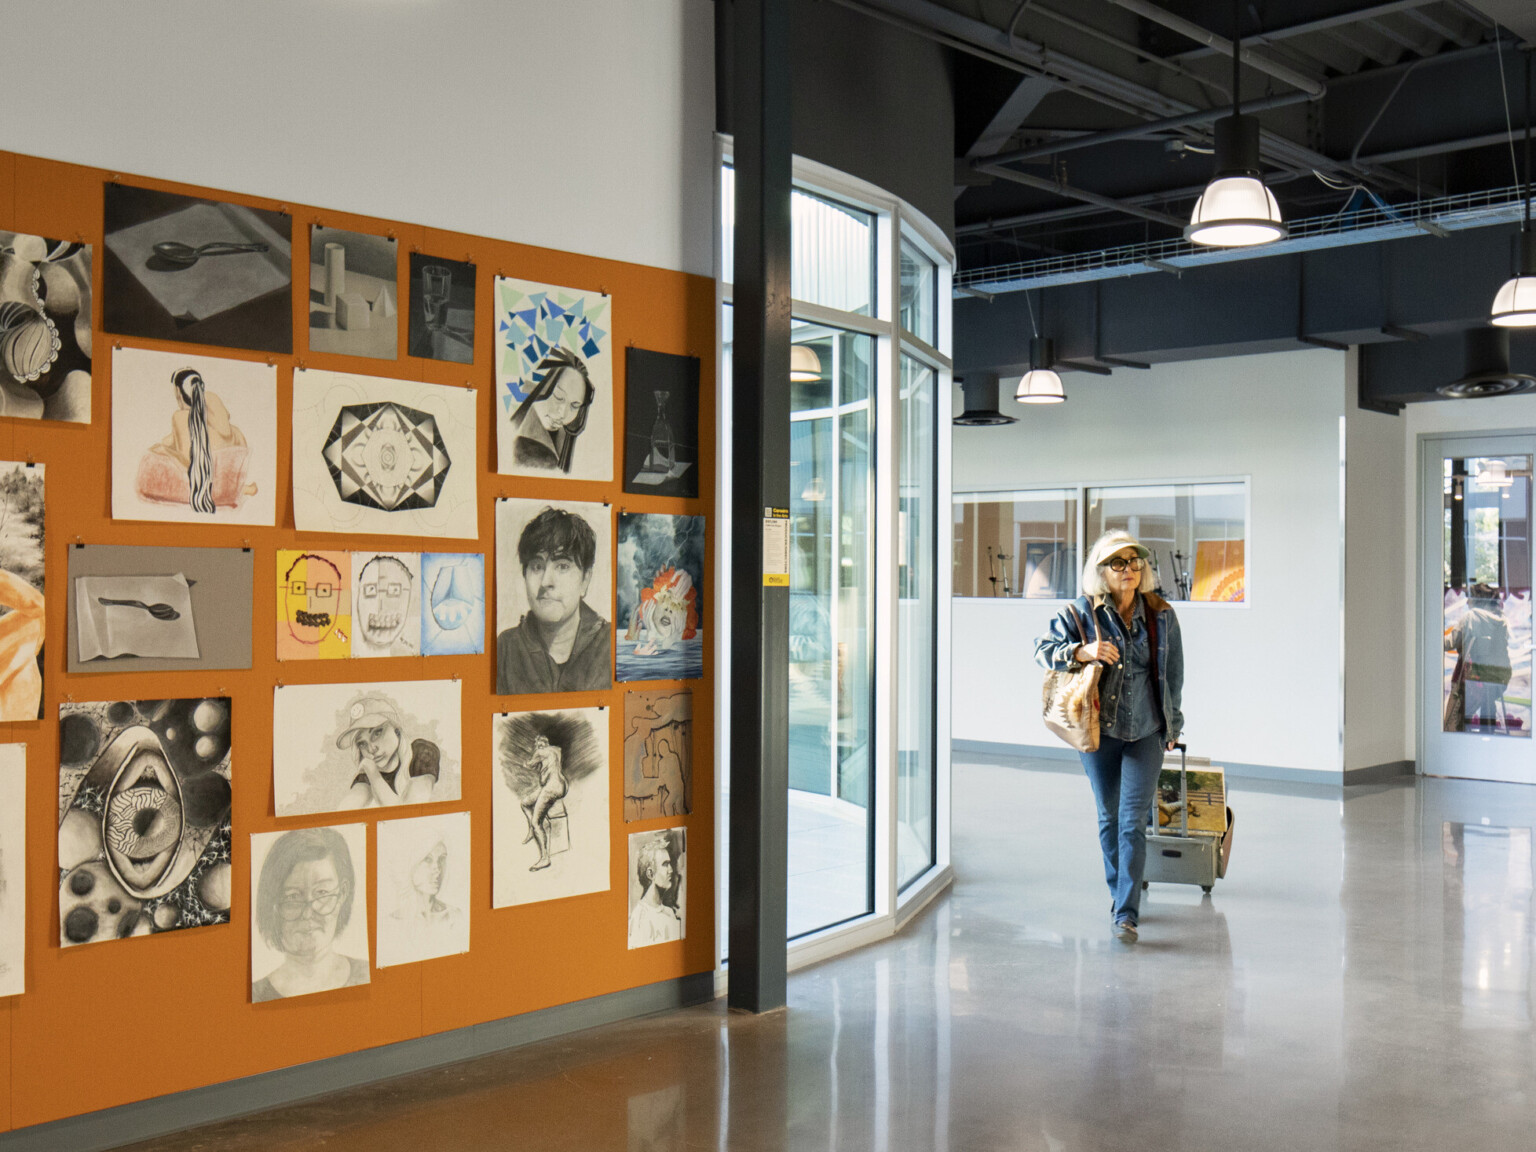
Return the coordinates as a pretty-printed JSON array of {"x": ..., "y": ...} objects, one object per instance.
[{"x": 1137, "y": 641}]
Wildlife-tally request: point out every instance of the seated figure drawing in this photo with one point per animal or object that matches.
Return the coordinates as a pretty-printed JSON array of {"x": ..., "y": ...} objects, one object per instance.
[{"x": 202, "y": 461}]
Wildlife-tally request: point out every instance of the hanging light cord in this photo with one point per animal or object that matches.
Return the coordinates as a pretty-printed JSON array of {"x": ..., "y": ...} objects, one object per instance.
[
  {"x": 1525, "y": 223},
  {"x": 1031, "y": 307},
  {"x": 1509, "y": 124},
  {"x": 1237, "y": 57}
]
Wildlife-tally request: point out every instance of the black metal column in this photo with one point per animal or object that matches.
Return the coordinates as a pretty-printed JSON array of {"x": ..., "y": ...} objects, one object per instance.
[{"x": 759, "y": 703}]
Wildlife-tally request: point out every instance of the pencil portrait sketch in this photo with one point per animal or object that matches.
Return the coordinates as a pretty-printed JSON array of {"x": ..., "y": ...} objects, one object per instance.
[
  {"x": 658, "y": 871},
  {"x": 309, "y": 926},
  {"x": 423, "y": 889}
]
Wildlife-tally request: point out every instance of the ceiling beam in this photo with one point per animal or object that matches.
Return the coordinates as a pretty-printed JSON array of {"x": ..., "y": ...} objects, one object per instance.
[
  {"x": 1087, "y": 197},
  {"x": 1255, "y": 60},
  {"x": 1402, "y": 40},
  {"x": 1318, "y": 25},
  {"x": 1440, "y": 27}
]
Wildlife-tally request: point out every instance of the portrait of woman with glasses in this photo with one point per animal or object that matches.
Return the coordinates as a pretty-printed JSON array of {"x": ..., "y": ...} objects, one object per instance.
[
  {"x": 1137, "y": 641},
  {"x": 303, "y": 904}
]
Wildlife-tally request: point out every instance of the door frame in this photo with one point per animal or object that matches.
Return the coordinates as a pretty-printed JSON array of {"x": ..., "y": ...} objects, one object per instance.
[{"x": 1426, "y": 553}]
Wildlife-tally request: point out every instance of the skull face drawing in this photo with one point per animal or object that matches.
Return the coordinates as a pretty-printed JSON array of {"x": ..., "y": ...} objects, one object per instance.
[
  {"x": 383, "y": 601},
  {"x": 312, "y": 597}
]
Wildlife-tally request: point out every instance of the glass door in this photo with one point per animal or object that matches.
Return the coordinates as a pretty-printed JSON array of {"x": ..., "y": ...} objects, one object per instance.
[{"x": 1475, "y": 702}]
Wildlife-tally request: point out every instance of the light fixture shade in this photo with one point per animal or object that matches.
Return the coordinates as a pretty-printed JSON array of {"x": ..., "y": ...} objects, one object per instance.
[
  {"x": 1235, "y": 212},
  {"x": 1515, "y": 304},
  {"x": 981, "y": 389},
  {"x": 1040, "y": 386},
  {"x": 1494, "y": 474},
  {"x": 804, "y": 364},
  {"x": 1487, "y": 371}
]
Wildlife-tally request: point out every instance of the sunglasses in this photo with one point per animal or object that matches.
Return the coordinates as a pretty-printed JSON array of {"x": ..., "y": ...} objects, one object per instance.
[{"x": 1120, "y": 564}]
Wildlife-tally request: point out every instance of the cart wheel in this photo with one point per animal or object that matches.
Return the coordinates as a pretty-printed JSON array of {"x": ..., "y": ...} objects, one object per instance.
[{"x": 1206, "y": 888}]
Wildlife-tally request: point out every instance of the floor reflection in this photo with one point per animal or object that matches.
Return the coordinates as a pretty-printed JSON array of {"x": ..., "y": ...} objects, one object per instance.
[{"x": 1360, "y": 981}]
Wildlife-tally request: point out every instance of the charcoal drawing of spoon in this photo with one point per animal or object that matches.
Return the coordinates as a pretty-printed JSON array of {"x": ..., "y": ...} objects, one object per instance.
[
  {"x": 158, "y": 611},
  {"x": 180, "y": 255}
]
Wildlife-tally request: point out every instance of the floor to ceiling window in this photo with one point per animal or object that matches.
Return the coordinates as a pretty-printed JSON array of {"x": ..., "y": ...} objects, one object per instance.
[{"x": 868, "y": 783}]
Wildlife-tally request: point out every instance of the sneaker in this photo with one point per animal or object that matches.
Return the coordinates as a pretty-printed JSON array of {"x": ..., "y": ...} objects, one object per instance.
[{"x": 1125, "y": 932}]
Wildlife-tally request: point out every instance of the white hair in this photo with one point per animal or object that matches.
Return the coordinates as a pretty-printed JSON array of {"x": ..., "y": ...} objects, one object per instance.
[{"x": 1105, "y": 547}]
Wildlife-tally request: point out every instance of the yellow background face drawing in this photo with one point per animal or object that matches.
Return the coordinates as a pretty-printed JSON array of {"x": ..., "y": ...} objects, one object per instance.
[{"x": 314, "y": 597}]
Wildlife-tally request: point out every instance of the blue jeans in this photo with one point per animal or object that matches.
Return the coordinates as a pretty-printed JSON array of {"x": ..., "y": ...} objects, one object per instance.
[{"x": 1124, "y": 778}]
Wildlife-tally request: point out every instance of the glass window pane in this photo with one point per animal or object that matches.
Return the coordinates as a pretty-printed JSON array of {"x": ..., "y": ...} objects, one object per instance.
[
  {"x": 919, "y": 294},
  {"x": 832, "y": 260},
  {"x": 1487, "y": 596},
  {"x": 916, "y": 625},
  {"x": 1016, "y": 544},
  {"x": 831, "y": 645},
  {"x": 1197, "y": 533},
  {"x": 727, "y": 224}
]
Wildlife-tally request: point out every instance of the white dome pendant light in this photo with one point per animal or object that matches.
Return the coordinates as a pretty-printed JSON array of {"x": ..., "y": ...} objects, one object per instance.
[
  {"x": 1041, "y": 384},
  {"x": 1236, "y": 210},
  {"x": 1515, "y": 304}
]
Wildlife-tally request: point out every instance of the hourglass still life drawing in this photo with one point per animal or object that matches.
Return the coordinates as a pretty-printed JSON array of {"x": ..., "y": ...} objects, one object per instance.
[
  {"x": 661, "y": 424},
  {"x": 442, "y": 309}
]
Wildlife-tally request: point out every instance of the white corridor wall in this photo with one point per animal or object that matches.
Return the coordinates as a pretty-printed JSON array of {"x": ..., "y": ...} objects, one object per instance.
[
  {"x": 1263, "y": 680},
  {"x": 583, "y": 125}
]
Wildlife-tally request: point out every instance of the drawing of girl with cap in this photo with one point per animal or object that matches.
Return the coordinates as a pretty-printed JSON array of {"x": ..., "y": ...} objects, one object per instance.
[{"x": 385, "y": 777}]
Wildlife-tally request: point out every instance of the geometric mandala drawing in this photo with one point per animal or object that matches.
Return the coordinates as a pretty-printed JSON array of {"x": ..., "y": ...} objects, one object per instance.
[{"x": 386, "y": 456}]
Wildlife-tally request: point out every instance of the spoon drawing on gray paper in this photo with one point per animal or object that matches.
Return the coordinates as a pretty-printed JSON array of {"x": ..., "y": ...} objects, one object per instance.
[
  {"x": 158, "y": 611},
  {"x": 176, "y": 252}
]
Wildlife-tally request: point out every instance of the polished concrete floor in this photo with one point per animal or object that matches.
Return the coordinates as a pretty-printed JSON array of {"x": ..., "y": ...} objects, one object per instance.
[{"x": 1362, "y": 980}]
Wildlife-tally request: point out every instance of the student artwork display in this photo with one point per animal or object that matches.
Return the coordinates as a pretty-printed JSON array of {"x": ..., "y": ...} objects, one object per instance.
[
  {"x": 146, "y": 609},
  {"x": 387, "y": 457},
  {"x": 335, "y": 605},
  {"x": 198, "y": 271},
  {"x": 309, "y": 911},
  {"x": 337, "y": 747},
  {"x": 554, "y": 582},
  {"x": 660, "y": 585},
  {"x": 554, "y": 381},
  {"x": 13, "y": 868},
  {"x": 423, "y": 889},
  {"x": 45, "y": 328},
  {"x": 661, "y": 424},
  {"x": 452, "y": 604},
  {"x": 549, "y": 805},
  {"x": 658, "y": 889},
  {"x": 442, "y": 312},
  {"x": 23, "y": 626},
  {"x": 194, "y": 438},
  {"x": 658, "y": 754},
  {"x": 386, "y": 604},
  {"x": 352, "y": 293},
  {"x": 314, "y": 605},
  {"x": 144, "y": 805},
  {"x": 1219, "y": 571}
]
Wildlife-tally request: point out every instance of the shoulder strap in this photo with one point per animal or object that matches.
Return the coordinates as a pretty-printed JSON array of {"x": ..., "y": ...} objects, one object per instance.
[{"x": 1078, "y": 620}]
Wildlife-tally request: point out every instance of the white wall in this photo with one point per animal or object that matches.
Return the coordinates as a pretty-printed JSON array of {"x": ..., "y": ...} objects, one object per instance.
[
  {"x": 582, "y": 125},
  {"x": 1376, "y": 645},
  {"x": 1262, "y": 685}
]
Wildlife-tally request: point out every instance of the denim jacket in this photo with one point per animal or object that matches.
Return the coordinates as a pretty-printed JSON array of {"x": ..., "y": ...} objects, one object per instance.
[{"x": 1055, "y": 649}]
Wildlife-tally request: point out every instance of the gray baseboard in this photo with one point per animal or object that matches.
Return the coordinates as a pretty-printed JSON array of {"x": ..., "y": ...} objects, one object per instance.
[
  {"x": 1069, "y": 761},
  {"x": 1380, "y": 773},
  {"x": 146, "y": 1119}
]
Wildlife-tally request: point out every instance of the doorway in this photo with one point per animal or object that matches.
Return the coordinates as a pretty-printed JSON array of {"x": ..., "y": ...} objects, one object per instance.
[{"x": 1475, "y": 608}]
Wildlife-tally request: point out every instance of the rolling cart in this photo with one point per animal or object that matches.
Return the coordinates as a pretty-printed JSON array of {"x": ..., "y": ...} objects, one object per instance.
[{"x": 1186, "y": 855}]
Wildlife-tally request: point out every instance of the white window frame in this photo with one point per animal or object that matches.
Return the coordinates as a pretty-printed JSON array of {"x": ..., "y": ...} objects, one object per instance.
[{"x": 894, "y": 219}]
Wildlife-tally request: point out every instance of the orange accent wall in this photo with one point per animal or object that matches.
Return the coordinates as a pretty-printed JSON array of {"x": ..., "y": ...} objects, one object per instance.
[{"x": 106, "y": 1024}]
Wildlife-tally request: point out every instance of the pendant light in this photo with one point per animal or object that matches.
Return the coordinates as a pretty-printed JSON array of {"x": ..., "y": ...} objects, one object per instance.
[
  {"x": 981, "y": 411},
  {"x": 1487, "y": 372},
  {"x": 1515, "y": 305},
  {"x": 1236, "y": 210},
  {"x": 1041, "y": 384},
  {"x": 804, "y": 364}
]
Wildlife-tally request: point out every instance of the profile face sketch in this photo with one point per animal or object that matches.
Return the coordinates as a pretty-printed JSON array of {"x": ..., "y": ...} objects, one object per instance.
[
  {"x": 341, "y": 747},
  {"x": 144, "y": 831},
  {"x": 305, "y": 897},
  {"x": 656, "y": 887},
  {"x": 386, "y": 614},
  {"x": 549, "y": 422},
  {"x": 201, "y": 461},
  {"x": 561, "y": 643},
  {"x": 423, "y": 888},
  {"x": 316, "y": 598}
]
